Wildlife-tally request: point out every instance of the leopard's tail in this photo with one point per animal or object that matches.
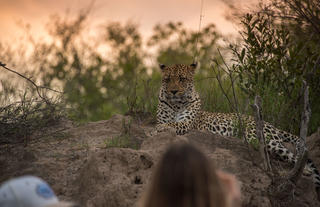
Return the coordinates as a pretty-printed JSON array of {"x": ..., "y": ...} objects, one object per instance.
[{"x": 310, "y": 170}]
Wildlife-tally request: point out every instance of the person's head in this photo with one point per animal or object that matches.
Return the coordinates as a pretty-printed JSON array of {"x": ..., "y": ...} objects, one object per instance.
[
  {"x": 185, "y": 178},
  {"x": 29, "y": 191}
]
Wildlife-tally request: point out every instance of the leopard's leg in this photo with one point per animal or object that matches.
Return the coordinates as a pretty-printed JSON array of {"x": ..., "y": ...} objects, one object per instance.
[
  {"x": 179, "y": 127},
  {"x": 276, "y": 148},
  {"x": 310, "y": 170}
]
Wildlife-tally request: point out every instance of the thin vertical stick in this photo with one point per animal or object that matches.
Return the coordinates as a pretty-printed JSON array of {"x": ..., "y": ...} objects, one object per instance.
[
  {"x": 259, "y": 131},
  {"x": 197, "y": 38},
  {"x": 302, "y": 152}
]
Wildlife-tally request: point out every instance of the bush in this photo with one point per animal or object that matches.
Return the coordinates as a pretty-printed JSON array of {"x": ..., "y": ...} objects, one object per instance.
[
  {"x": 274, "y": 58},
  {"x": 26, "y": 115}
]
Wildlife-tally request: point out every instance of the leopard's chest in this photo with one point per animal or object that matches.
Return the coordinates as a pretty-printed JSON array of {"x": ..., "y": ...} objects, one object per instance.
[{"x": 182, "y": 115}]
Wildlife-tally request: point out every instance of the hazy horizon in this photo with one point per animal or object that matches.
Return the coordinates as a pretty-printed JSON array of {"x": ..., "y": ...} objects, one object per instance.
[{"x": 145, "y": 13}]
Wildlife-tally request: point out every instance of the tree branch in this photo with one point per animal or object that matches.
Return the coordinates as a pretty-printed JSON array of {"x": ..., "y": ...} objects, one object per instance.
[
  {"x": 259, "y": 131},
  {"x": 31, "y": 81},
  {"x": 302, "y": 152}
]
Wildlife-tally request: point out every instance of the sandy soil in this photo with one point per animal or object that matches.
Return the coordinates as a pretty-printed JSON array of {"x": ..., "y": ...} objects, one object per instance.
[{"x": 80, "y": 164}]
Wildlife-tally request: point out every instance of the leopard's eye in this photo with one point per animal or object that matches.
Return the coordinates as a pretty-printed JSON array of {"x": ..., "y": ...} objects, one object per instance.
[{"x": 182, "y": 79}]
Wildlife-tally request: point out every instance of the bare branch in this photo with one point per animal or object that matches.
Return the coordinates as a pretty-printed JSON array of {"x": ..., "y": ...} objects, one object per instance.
[
  {"x": 218, "y": 77},
  {"x": 316, "y": 65},
  {"x": 305, "y": 14},
  {"x": 31, "y": 81},
  {"x": 259, "y": 131},
  {"x": 302, "y": 152}
]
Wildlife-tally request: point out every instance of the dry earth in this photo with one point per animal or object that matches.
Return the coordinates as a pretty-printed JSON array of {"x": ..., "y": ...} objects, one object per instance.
[{"x": 80, "y": 164}]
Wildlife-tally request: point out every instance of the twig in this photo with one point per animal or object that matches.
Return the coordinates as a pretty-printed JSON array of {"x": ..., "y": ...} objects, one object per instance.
[
  {"x": 31, "y": 81},
  {"x": 218, "y": 77},
  {"x": 236, "y": 109},
  {"x": 234, "y": 106},
  {"x": 303, "y": 12},
  {"x": 197, "y": 40}
]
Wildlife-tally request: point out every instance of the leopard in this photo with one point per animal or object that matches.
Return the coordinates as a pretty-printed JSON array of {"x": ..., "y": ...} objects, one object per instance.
[{"x": 179, "y": 109}]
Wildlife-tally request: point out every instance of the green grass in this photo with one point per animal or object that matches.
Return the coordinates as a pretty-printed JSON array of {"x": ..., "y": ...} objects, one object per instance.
[
  {"x": 124, "y": 140},
  {"x": 121, "y": 141}
]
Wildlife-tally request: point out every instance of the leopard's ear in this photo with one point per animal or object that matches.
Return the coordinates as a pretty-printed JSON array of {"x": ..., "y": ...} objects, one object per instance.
[
  {"x": 194, "y": 65},
  {"x": 162, "y": 66}
]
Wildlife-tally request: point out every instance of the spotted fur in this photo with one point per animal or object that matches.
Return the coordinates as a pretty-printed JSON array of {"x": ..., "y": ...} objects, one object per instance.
[{"x": 180, "y": 108}]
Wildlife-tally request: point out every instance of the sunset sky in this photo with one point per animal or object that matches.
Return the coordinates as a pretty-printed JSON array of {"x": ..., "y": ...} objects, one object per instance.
[{"x": 144, "y": 12}]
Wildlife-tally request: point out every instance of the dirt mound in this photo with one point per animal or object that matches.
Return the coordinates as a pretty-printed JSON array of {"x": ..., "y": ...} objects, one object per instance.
[{"x": 85, "y": 164}]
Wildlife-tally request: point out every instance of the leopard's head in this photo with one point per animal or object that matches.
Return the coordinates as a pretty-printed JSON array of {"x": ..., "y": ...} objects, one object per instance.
[{"x": 177, "y": 82}]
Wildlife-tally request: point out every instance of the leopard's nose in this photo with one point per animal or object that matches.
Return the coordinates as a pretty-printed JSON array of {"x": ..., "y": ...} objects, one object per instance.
[{"x": 174, "y": 92}]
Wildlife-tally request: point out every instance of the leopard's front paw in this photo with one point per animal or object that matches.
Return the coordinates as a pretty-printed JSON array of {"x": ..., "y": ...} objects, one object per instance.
[
  {"x": 160, "y": 128},
  {"x": 152, "y": 133}
]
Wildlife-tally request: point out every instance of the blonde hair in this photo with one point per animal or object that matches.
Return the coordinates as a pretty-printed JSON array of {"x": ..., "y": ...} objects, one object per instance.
[{"x": 184, "y": 177}]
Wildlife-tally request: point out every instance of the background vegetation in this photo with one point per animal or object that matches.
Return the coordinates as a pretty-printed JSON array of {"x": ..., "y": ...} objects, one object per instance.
[
  {"x": 117, "y": 70},
  {"x": 280, "y": 49}
]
